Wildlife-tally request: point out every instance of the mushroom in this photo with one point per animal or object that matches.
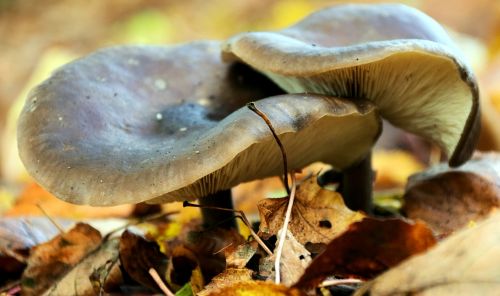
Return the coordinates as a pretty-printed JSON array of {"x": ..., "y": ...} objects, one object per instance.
[
  {"x": 154, "y": 123},
  {"x": 393, "y": 55}
]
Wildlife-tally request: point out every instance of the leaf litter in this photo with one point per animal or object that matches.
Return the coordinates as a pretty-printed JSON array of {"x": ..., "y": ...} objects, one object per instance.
[
  {"x": 324, "y": 241},
  {"x": 466, "y": 263}
]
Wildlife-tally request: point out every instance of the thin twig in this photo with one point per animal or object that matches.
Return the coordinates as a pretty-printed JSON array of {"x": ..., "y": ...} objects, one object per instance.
[
  {"x": 156, "y": 277},
  {"x": 223, "y": 248},
  {"x": 61, "y": 230},
  {"x": 284, "y": 230},
  {"x": 252, "y": 107},
  {"x": 336, "y": 282},
  {"x": 239, "y": 214}
]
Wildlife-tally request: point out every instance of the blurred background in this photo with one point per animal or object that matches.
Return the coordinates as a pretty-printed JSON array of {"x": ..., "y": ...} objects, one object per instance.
[{"x": 39, "y": 36}]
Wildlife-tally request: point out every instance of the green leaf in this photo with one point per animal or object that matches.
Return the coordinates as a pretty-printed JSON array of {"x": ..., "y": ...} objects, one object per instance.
[{"x": 185, "y": 291}]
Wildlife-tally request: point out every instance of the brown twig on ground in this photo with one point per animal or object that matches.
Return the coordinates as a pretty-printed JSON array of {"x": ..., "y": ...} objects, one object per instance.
[
  {"x": 156, "y": 277},
  {"x": 223, "y": 248},
  {"x": 239, "y": 214},
  {"x": 252, "y": 107},
  {"x": 284, "y": 230}
]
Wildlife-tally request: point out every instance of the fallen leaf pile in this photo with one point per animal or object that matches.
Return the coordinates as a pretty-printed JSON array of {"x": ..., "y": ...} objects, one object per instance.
[{"x": 326, "y": 244}]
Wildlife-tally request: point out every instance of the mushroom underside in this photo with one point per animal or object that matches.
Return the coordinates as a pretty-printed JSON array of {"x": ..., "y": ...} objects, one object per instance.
[
  {"x": 421, "y": 94},
  {"x": 417, "y": 85},
  {"x": 391, "y": 54}
]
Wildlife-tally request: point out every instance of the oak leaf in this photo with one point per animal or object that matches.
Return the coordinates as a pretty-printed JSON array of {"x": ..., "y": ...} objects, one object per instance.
[{"x": 318, "y": 215}]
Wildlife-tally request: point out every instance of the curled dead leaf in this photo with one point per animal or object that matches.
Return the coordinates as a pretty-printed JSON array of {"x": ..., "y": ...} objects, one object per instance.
[
  {"x": 48, "y": 262},
  {"x": 182, "y": 267},
  {"x": 209, "y": 247},
  {"x": 138, "y": 255},
  {"x": 17, "y": 236},
  {"x": 318, "y": 215},
  {"x": 465, "y": 263},
  {"x": 448, "y": 199},
  {"x": 368, "y": 248}
]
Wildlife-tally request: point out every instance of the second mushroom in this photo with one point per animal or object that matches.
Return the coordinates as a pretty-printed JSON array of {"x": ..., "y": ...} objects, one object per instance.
[{"x": 390, "y": 54}]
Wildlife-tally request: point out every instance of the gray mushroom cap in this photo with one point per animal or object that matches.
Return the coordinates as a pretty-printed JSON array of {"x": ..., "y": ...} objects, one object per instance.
[
  {"x": 391, "y": 54},
  {"x": 134, "y": 123}
]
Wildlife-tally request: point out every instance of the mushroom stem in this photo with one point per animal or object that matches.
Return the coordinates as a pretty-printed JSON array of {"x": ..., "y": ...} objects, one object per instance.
[
  {"x": 212, "y": 217},
  {"x": 357, "y": 183}
]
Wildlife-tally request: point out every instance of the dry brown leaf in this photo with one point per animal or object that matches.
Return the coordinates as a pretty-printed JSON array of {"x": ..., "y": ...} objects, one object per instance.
[
  {"x": 50, "y": 261},
  {"x": 138, "y": 255},
  {"x": 182, "y": 266},
  {"x": 466, "y": 263},
  {"x": 229, "y": 277},
  {"x": 368, "y": 248},
  {"x": 17, "y": 236},
  {"x": 78, "y": 281},
  {"x": 318, "y": 215},
  {"x": 239, "y": 257},
  {"x": 294, "y": 261},
  {"x": 255, "y": 288},
  {"x": 209, "y": 247},
  {"x": 108, "y": 277},
  {"x": 448, "y": 199}
]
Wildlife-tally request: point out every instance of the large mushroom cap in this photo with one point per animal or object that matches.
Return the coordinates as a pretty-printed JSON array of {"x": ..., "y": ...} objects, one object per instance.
[
  {"x": 391, "y": 54},
  {"x": 130, "y": 124}
]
